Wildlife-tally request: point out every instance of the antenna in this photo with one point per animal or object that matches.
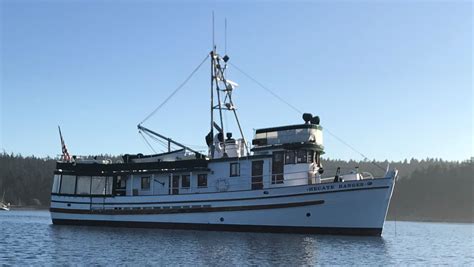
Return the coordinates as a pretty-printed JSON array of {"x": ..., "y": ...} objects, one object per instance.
[
  {"x": 213, "y": 38},
  {"x": 225, "y": 36}
]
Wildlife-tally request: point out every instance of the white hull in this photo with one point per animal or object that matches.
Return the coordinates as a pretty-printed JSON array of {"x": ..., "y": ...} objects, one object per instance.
[{"x": 355, "y": 207}]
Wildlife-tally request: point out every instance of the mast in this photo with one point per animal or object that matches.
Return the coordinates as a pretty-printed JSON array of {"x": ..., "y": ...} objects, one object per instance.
[
  {"x": 212, "y": 98},
  {"x": 223, "y": 95},
  {"x": 213, "y": 52}
]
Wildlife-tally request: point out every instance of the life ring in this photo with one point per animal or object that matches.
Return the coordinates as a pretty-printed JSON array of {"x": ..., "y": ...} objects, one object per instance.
[{"x": 222, "y": 185}]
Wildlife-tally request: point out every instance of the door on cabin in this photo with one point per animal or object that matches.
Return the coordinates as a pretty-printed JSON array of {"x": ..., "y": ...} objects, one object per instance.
[
  {"x": 174, "y": 185},
  {"x": 257, "y": 174},
  {"x": 278, "y": 167}
]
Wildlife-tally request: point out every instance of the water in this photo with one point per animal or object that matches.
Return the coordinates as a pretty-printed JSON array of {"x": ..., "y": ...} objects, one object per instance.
[{"x": 28, "y": 237}]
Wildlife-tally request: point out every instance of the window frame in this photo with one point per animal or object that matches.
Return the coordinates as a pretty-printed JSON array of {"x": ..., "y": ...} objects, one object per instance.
[
  {"x": 81, "y": 177},
  {"x": 143, "y": 178},
  {"x": 199, "y": 177},
  {"x": 188, "y": 179},
  {"x": 56, "y": 184},
  {"x": 301, "y": 154},
  {"x": 101, "y": 179},
  {"x": 61, "y": 188},
  {"x": 237, "y": 174},
  {"x": 288, "y": 153}
]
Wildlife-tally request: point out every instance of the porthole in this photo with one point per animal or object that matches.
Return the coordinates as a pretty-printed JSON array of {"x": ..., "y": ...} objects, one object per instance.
[
  {"x": 308, "y": 214},
  {"x": 221, "y": 219}
]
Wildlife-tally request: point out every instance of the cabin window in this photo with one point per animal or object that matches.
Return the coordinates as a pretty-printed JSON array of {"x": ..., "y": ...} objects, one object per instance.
[
  {"x": 301, "y": 156},
  {"x": 318, "y": 159},
  {"x": 146, "y": 183},
  {"x": 83, "y": 186},
  {"x": 121, "y": 182},
  {"x": 56, "y": 183},
  {"x": 185, "y": 181},
  {"x": 234, "y": 169},
  {"x": 68, "y": 184},
  {"x": 290, "y": 157},
  {"x": 98, "y": 185},
  {"x": 202, "y": 180},
  {"x": 109, "y": 185}
]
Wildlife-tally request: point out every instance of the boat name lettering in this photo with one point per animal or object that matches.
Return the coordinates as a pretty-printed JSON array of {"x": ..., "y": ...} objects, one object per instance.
[
  {"x": 351, "y": 185},
  {"x": 320, "y": 188},
  {"x": 330, "y": 187}
]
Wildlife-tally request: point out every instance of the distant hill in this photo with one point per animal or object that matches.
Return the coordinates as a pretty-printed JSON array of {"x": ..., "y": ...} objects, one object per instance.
[{"x": 427, "y": 190}]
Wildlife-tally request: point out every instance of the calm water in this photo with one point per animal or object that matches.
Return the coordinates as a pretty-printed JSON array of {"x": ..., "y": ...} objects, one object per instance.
[{"x": 28, "y": 237}]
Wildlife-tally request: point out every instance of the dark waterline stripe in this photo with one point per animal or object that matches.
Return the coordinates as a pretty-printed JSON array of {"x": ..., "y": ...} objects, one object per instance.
[{"x": 228, "y": 227}]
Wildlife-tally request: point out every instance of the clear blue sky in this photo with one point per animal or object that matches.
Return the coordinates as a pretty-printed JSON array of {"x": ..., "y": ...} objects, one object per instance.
[{"x": 391, "y": 78}]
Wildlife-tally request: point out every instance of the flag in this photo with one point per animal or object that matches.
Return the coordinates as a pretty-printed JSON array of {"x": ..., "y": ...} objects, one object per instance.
[{"x": 65, "y": 156}]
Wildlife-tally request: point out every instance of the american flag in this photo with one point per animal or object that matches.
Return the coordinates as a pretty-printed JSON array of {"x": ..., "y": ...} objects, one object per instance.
[{"x": 65, "y": 156}]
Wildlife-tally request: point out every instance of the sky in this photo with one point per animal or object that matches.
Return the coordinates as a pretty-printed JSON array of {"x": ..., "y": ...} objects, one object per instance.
[{"x": 392, "y": 79}]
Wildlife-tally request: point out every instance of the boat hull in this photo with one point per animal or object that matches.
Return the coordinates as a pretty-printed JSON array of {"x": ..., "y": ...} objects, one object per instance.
[{"x": 349, "y": 208}]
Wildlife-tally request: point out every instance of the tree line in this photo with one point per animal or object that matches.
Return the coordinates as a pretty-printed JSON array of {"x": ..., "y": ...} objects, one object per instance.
[{"x": 427, "y": 189}]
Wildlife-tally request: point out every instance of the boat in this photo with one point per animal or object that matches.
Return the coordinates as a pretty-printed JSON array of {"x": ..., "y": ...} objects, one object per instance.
[
  {"x": 275, "y": 183},
  {"x": 3, "y": 205}
]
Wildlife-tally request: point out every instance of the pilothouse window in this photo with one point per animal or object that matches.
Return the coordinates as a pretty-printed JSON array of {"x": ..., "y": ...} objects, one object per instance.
[
  {"x": 298, "y": 156},
  {"x": 290, "y": 157},
  {"x": 301, "y": 156}
]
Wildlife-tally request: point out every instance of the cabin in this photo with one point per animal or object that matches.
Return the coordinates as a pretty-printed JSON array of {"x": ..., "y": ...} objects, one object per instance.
[{"x": 282, "y": 156}]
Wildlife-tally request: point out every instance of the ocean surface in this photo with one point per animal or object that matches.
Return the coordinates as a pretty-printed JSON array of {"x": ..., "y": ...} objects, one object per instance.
[{"x": 29, "y": 238}]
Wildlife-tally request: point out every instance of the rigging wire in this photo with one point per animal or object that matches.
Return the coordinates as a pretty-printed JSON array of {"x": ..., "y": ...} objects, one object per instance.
[
  {"x": 300, "y": 112},
  {"x": 266, "y": 88},
  {"x": 163, "y": 143},
  {"x": 148, "y": 143},
  {"x": 176, "y": 90}
]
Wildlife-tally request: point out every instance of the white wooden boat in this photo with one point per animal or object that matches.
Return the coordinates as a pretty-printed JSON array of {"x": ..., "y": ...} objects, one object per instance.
[{"x": 277, "y": 184}]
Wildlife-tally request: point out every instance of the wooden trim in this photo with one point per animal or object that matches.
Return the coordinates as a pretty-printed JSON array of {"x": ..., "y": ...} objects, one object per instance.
[{"x": 185, "y": 209}]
